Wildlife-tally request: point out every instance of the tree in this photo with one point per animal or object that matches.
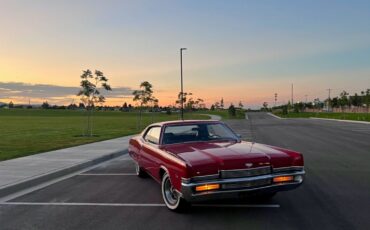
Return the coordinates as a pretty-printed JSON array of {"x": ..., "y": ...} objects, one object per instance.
[
  {"x": 285, "y": 109},
  {"x": 190, "y": 104},
  {"x": 265, "y": 105},
  {"x": 232, "y": 110},
  {"x": 356, "y": 100},
  {"x": 318, "y": 104},
  {"x": 45, "y": 105},
  {"x": 367, "y": 99},
  {"x": 217, "y": 105},
  {"x": 222, "y": 103},
  {"x": 298, "y": 107},
  {"x": 155, "y": 104},
  {"x": 144, "y": 95},
  {"x": 335, "y": 102},
  {"x": 124, "y": 107},
  {"x": 72, "y": 106},
  {"x": 343, "y": 100},
  {"x": 11, "y": 105},
  {"x": 289, "y": 105},
  {"x": 199, "y": 103},
  {"x": 91, "y": 85},
  {"x": 212, "y": 107},
  {"x": 241, "y": 104},
  {"x": 184, "y": 98}
]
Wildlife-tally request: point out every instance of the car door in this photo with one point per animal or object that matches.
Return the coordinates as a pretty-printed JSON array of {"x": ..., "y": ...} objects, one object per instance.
[{"x": 148, "y": 150}]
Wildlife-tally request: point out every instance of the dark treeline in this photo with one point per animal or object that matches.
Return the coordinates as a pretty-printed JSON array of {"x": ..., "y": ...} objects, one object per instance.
[{"x": 341, "y": 102}]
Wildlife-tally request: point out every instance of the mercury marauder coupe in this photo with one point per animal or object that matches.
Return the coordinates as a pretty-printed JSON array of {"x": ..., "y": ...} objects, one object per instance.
[{"x": 201, "y": 160}]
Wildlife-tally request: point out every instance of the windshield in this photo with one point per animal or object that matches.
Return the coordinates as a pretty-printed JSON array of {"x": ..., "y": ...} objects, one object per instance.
[{"x": 197, "y": 132}]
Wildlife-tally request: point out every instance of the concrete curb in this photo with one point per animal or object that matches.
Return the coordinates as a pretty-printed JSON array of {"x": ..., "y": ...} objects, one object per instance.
[
  {"x": 213, "y": 117},
  {"x": 348, "y": 121},
  {"x": 277, "y": 117},
  {"x": 12, "y": 188}
]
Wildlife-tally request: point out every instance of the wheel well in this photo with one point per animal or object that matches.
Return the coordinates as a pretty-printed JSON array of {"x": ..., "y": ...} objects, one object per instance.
[{"x": 161, "y": 172}]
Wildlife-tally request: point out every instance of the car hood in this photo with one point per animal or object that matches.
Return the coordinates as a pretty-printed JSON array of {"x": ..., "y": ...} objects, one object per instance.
[{"x": 209, "y": 157}]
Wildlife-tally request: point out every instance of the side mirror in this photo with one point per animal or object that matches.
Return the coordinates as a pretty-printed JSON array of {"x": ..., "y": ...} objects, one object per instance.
[{"x": 239, "y": 136}]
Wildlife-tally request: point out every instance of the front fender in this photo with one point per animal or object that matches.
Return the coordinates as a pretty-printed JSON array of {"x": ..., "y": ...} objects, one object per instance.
[{"x": 176, "y": 172}]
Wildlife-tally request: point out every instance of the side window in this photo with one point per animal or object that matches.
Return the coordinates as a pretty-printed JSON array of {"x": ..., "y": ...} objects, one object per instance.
[{"x": 153, "y": 135}]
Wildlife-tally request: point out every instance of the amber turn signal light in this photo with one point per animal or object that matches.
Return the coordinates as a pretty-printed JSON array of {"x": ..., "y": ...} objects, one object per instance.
[
  {"x": 281, "y": 179},
  {"x": 207, "y": 187}
]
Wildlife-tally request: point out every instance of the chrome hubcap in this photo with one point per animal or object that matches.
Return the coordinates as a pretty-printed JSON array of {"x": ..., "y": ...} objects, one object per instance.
[{"x": 170, "y": 193}]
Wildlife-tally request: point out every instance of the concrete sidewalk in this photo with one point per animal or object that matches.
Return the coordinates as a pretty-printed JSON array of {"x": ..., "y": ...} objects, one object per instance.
[{"x": 20, "y": 173}]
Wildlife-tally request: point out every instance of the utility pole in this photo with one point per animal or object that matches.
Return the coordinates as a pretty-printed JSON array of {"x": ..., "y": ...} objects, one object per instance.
[
  {"x": 329, "y": 90},
  {"x": 306, "y": 98},
  {"x": 292, "y": 96},
  {"x": 182, "y": 87},
  {"x": 275, "y": 98}
]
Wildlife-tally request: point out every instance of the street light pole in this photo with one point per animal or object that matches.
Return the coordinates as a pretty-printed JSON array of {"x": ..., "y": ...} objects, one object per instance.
[{"x": 182, "y": 86}]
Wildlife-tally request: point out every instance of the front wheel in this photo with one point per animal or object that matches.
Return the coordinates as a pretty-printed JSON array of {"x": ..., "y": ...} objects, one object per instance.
[{"x": 171, "y": 197}]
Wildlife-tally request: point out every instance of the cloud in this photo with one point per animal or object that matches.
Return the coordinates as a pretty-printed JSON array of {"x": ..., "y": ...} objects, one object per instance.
[{"x": 24, "y": 90}]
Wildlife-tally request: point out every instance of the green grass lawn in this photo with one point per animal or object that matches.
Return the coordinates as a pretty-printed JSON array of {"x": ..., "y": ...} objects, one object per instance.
[
  {"x": 29, "y": 131},
  {"x": 225, "y": 114},
  {"x": 341, "y": 116}
]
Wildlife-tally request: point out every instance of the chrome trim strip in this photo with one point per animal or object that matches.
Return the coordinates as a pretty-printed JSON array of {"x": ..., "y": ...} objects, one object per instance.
[
  {"x": 217, "y": 176},
  {"x": 245, "y": 169},
  {"x": 243, "y": 179},
  {"x": 200, "y": 178},
  {"x": 243, "y": 189},
  {"x": 188, "y": 193},
  {"x": 290, "y": 168},
  {"x": 251, "y": 172}
]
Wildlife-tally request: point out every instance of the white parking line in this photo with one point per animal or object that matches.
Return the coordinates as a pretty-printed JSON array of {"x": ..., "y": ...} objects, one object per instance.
[
  {"x": 107, "y": 174},
  {"x": 81, "y": 204},
  {"x": 51, "y": 182},
  {"x": 277, "y": 117},
  {"x": 138, "y": 205},
  {"x": 239, "y": 205}
]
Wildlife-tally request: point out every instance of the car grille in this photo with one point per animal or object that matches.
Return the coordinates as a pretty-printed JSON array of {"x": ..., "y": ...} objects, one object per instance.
[
  {"x": 245, "y": 172},
  {"x": 247, "y": 184}
]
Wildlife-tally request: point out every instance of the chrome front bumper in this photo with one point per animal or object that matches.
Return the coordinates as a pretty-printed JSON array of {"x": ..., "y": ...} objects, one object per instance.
[{"x": 235, "y": 187}]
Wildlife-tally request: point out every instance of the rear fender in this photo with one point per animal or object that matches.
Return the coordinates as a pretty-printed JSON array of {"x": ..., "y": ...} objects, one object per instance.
[{"x": 134, "y": 149}]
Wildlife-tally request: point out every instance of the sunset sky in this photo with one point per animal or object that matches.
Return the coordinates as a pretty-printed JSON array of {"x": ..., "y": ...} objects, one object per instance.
[{"x": 239, "y": 50}]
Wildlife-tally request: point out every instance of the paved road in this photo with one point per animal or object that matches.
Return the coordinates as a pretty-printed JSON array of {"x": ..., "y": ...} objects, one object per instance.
[{"x": 336, "y": 194}]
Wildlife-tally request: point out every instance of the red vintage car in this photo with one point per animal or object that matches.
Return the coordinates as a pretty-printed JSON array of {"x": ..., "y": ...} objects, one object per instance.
[{"x": 202, "y": 160}]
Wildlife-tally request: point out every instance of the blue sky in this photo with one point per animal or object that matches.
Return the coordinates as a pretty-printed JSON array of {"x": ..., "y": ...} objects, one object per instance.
[{"x": 239, "y": 50}]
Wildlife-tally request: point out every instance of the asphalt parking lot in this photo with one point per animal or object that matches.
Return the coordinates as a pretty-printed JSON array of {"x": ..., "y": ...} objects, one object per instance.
[{"x": 335, "y": 195}]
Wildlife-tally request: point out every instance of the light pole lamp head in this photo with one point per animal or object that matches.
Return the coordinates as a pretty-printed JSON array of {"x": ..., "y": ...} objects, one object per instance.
[{"x": 182, "y": 48}]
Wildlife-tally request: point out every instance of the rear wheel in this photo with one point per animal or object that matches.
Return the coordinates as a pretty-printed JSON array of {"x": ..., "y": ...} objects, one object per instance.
[
  {"x": 171, "y": 197},
  {"x": 139, "y": 171}
]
